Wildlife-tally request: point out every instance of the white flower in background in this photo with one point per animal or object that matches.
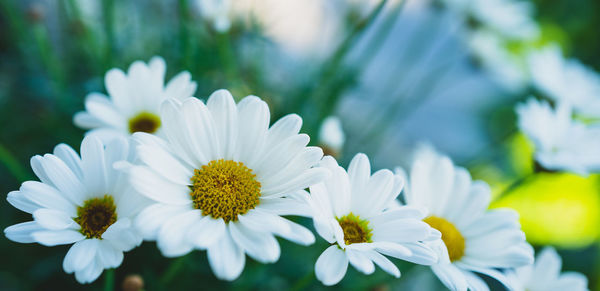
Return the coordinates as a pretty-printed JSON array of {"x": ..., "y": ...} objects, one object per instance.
[
  {"x": 561, "y": 143},
  {"x": 134, "y": 100},
  {"x": 545, "y": 275},
  {"x": 80, "y": 201},
  {"x": 351, "y": 212},
  {"x": 512, "y": 19},
  {"x": 508, "y": 69},
  {"x": 217, "y": 11},
  {"x": 221, "y": 180},
  {"x": 474, "y": 239},
  {"x": 566, "y": 80},
  {"x": 331, "y": 135}
]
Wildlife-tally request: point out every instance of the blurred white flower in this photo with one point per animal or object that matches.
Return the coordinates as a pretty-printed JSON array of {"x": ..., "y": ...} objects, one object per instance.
[
  {"x": 134, "y": 100},
  {"x": 351, "y": 212},
  {"x": 566, "y": 80},
  {"x": 331, "y": 135},
  {"x": 80, "y": 201},
  {"x": 508, "y": 69},
  {"x": 561, "y": 143},
  {"x": 545, "y": 275},
  {"x": 217, "y": 11},
  {"x": 474, "y": 239},
  {"x": 511, "y": 18},
  {"x": 221, "y": 180}
]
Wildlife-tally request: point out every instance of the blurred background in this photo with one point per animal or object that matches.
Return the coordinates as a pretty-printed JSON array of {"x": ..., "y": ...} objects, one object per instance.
[{"x": 395, "y": 73}]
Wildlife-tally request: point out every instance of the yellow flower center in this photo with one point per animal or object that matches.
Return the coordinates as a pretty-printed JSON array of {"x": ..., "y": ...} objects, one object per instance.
[
  {"x": 96, "y": 215},
  {"x": 144, "y": 122},
  {"x": 224, "y": 189},
  {"x": 356, "y": 230},
  {"x": 454, "y": 241}
]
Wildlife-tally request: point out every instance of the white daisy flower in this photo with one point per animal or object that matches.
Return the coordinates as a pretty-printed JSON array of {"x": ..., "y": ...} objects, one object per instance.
[
  {"x": 510, "y": 18},
  {"x": 474, "y": 239},
  {"x": 221, "y": 180},
  {"x": 544, "y": 275},
  {"x": 566, "y": 80},
  {"x": 331, "y": 136},
  {"x": 350, "y": 211},
  {"x": 134, "y": 100},
  {"x": 561, "y": 143},
  {"x": 80, "y": 201}
]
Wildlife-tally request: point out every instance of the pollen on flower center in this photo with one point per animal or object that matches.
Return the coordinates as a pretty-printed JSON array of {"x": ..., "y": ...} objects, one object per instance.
[
  {"x": 144, "y": 122},
  {"x": 96, "y": 215},
  {"x": 453, "y": 239},
  {"x": 356, "y": 230},
  {"x": 225, "y": 189}
]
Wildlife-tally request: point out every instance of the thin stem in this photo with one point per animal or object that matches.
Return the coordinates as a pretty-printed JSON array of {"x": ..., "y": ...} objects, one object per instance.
[
  {"x": 172, "y": 270},
  {"x": 108, "y": 14},
  {"x": 516, "y": 184},
  {"x": 109, "y": 280},
  {"x": 13, "y": 165},
  {"x": 227, "y": 56},
  {"x": 304, "y": 282}
]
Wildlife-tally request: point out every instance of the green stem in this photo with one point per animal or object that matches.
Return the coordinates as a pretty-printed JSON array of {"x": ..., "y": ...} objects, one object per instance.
[
  {"x": 13, "y": 165},
  {"x": 227, "y": 56},
  {"x": 109, "y": 280},
  {"x": 184, "y": 34},
  {"x": 304, "y": 282},
  {"x": 516, "y": 184},
  {"x": 109, "y": 17},
  {"x": 172, "y": 271}
]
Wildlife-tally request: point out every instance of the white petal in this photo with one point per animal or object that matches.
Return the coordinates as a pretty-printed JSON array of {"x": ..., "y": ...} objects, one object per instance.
[
  {"x": 51, "y": 238},
  {"x": 450, "y": 276},
  {"x": 383, "y": 263},
  {"x": 47, "y": 197},
  {"x": 172, "y": 236},
  {"x": 86, "y": 121},
  {"x": 70, "y": 157},
  {"x": 206, "y": 232},
  {"x": 165, "y": 164},
  {"x": 21, "y": 232},
  {"x": 224, "y": 112},
  {"x": 153, "y": 186},
  {"x": 359, "y": 172},
  {"x": 294, "y": 204},
  {"x": 253, "y": 124},
  {"x": 331, "y": 266},
  {"x": 360, "y": 261},
  {"x": 64, "y": 179},
  {"x": 102, "y": 109},
  {"x": 90, "y": 273},
  {"x": 109, "y": 256},
  {"x": 94, "y": 167},
  {"x": 54, "y": 219},
  {"x": 121, "y": 235},
  {"x": 260, "y": 246},
  {"x": 303, "y": 181},
  {"x": 226, "y": 258},
  {"x": 19, "y": 201},
  {"x": 80, "y": 255},
  {"x": 149, "y": 221},
  {"x": 401, "y": 230},
  {"x": 285, "y": 127}
]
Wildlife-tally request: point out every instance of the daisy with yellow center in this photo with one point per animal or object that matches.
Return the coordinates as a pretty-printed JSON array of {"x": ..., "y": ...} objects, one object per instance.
[
  {"x": 82, "y": 201},
  {"x": 221, "y": 180},
  {"x": 133, "y": 100},
  {"x": 351, "y": 211},
  {"x": 474, "y": 239}
]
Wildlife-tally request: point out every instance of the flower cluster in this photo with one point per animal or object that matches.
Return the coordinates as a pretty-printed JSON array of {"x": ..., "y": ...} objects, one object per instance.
[{"x": 220, "y": 176}]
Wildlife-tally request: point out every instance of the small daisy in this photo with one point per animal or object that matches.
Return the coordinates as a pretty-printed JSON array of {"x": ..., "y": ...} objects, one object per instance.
[
  {"x": 474, "y": 239},
  {"x": 350, "y": 211},
  {"x": 544, "y": 275},
  {"x": 134, "y": 100},
  {"x": 566, "y": 80},
  {"x": 222, "y": 179},
  {"x": 80, "y": 201},
  {"x": 331, "y": 136},
  {"x": 561, "y": 143}
]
